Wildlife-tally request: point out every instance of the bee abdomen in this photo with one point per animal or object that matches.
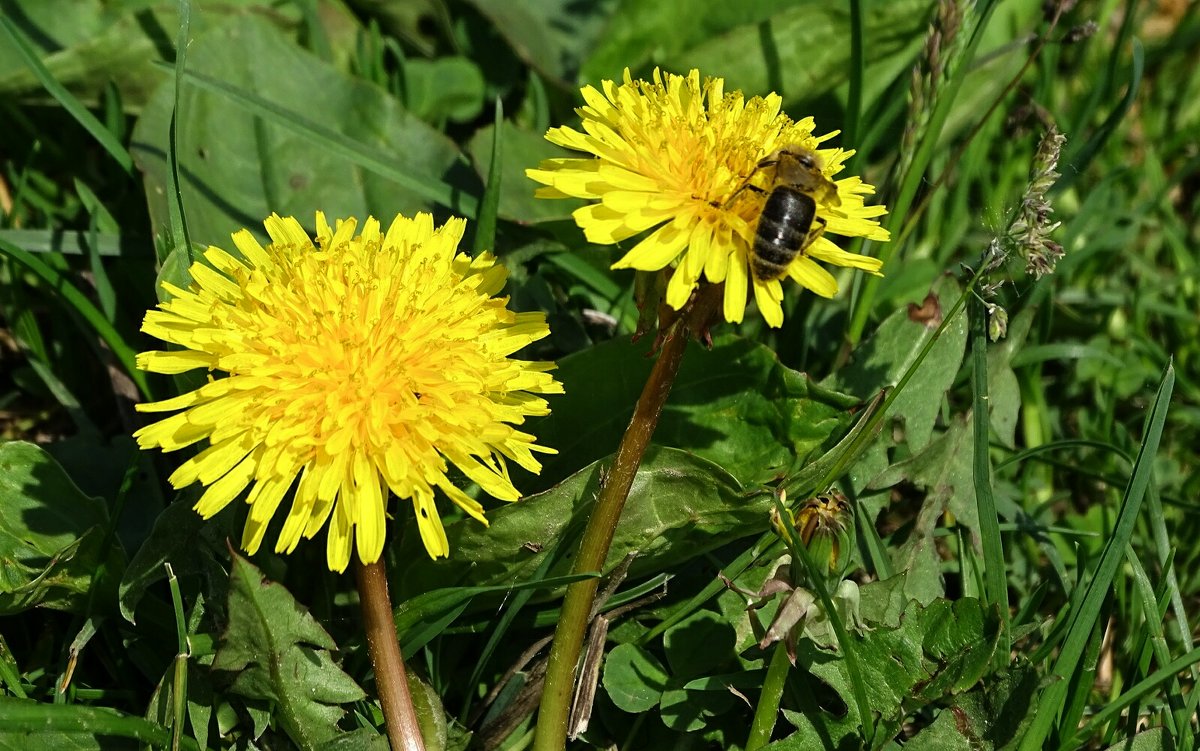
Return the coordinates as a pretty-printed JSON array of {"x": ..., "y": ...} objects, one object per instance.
[{"x": 782, "y": 232}]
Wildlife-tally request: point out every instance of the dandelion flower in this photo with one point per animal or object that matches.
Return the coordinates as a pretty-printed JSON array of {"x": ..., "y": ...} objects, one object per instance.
[
  {"x": 671, "y": 157},
  {"x": 357, "y": 364}
]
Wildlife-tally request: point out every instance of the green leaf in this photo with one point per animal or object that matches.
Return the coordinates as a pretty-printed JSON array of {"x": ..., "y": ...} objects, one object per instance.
[
  {"x": 445, "y": 88},
  {"x": 240, "y": 162},
  {"x": 427, "y": 615},
  {"x": 179, "y": 537},
  {"x": 882, "y": 360},
  {"x": 74, "y": 726},
  {"x": 961, "y": 637},
  {"x": 998, "y": 710},
  {"x": 522, "y": 150},
  {"x": 699, "y": 645},
  {"x": 796, "y": 48},
  {"x": 1155, "y": 739},
  {"x": 551, "y": 36},
  {"x": 944, "y": 471},
  {"x": 1004, "y": 391},
  {"x": 280, "y": 654},
  {"x": 681, "y": 506},
  {"x": 933, "y": 653},
  {"x": 943, "y": 734},
  {"x": 634, "y": 678},
  {"x": 735, "y": 405},
  {"x": 50, "y": 534},
  {"x": 688, "y": 711},
  {"x": 363, "y": 739}
]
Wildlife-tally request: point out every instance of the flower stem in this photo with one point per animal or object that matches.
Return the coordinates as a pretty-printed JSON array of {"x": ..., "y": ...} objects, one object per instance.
[
  {"x": 403, "y": 730},
  {"x": 768, "y": 701},
  {"x": 602, "y": 524}
]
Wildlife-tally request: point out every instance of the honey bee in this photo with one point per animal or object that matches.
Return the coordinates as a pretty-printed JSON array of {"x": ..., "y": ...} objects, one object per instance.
[{"x": 788, "y": 222}]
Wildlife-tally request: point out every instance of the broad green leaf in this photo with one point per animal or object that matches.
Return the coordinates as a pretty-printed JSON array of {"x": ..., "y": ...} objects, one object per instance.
[
  {"x": 237, "y": 168},
  {"x": 88, "y": 44},
  {"x": 688, "y": 711},
  {"x": 425, "y": 616},
  {"x": 961, "y": 637},
  {"x": 934, "y": 653},
  {"x": 522, "y": 150},
  {"x": 179, "y": 537},
  {"x": 681, "y": 506},
  {"x": 1155, "y": 739},
  {"x": 883, "y": 359},
  {"x": 431, "y": 716},
  {"x": 551, "y": 36},
  {"x": 796, "y": 48},
  {"x": 445, "y": 88},
  {"x": 943, "y": 734},
  {"x": 634, "y": 678},
  {"x": 51, "y": 534},
  {"x": 735, "y": 405},
  {"x": 701, "y": 644},
  {"x": 363, "y": 739},
  {"x": 944, "y": 471},
  {"x": 280, "y": 654},
  {"x": 998, "y": 710}
]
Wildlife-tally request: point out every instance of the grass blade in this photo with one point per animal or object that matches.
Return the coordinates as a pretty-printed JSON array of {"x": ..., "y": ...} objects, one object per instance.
[
  {"x": 79, "y": 303},
  {"x": 485, "y": 225},
  {"x": 68, "y": 101},
  {"x": 994, "y": 572},
  {"x": 1084, "y": 618}
]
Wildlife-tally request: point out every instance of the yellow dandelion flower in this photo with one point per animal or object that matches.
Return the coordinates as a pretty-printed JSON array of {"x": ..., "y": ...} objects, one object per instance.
[
  {"x": 360, "y": 364},
  {"x": 696, "y": 165}
]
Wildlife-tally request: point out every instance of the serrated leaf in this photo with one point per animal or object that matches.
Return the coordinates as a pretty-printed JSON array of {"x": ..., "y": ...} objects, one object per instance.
[
  {"x": 961, "y": 638},
  {"x": 944, "y": 471},
  {"x": 997, "y": 711},
  {"x": 943, "y": 734},
  {"x": 50, "y": 534},
  {"x": 634, "y": 678},
  {"x": 933, "y": 653},
  {"x": 280, "y": 654},
  {"x": 735, "y": 405},
  {"x": 363, "y": 739},
  {"x": 681, "y": 506},
  {"x": 883, "y": 359}
]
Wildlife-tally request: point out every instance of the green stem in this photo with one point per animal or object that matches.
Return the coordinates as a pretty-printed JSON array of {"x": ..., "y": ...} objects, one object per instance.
[
  {"x": 403, "y": 729},
  {"x": 597, "y": 537},
  {"x": 768, "y": 701}
]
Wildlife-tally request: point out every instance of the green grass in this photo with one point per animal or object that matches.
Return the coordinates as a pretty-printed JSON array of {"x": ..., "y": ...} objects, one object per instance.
[{"x": 1028, "y": 565}]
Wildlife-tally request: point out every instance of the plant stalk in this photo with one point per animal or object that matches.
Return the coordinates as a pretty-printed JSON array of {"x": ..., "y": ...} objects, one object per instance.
[
  {"x": 602, "y": 524},
  {"x": 768, "y": 701},
  {"x": 391, "y": 680}
]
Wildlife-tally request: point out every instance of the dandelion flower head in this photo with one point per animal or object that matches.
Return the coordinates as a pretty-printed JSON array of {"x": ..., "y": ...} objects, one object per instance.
[
  {"x": 673, "y": 155},
  {"x": 356, "y": 364}
]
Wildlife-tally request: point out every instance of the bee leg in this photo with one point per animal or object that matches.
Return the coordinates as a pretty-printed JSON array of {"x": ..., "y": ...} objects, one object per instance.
[
  {"x": 744, "y": 186},
  {"x": 817, "y": 229}
]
